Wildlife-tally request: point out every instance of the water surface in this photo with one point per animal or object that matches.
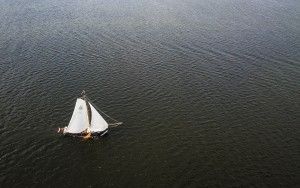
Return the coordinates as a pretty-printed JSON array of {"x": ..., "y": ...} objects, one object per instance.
[{"x": 208, "y": 92}]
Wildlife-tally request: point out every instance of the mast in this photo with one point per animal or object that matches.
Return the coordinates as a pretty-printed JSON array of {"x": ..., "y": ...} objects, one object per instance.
[{"x": 89, "y": 111}]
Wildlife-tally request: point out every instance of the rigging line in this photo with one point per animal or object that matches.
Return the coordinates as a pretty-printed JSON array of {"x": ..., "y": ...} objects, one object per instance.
[{"x": 117, "y": 122}]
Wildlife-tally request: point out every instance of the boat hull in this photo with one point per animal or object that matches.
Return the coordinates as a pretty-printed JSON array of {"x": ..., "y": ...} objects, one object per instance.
[{"x": 93, "y": 134}]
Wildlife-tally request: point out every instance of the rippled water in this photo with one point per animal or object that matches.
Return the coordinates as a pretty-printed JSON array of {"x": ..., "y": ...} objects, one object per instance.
[{"x": 208, "y": 92}]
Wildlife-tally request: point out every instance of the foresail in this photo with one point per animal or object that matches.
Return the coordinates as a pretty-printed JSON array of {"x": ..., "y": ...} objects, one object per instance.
[
  {"x": 97, "y": 123},
  {"x": 79, "y": 120}
]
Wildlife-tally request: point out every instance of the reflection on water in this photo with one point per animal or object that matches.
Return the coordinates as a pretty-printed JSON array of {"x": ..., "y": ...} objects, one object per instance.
[{"x": 208, "y": 92}]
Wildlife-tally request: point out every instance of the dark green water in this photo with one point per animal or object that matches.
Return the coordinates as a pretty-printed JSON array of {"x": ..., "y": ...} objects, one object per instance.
[{"x": 209, "y": 92}]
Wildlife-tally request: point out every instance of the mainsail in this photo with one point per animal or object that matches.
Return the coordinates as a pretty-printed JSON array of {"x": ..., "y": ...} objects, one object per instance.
[{"x": 79, "y": 120}]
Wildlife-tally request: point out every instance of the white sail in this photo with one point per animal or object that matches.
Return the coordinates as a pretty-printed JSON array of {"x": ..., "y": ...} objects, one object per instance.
[
  {"x": 79, "y": 121},
  {"x": 97, "y": 122}
]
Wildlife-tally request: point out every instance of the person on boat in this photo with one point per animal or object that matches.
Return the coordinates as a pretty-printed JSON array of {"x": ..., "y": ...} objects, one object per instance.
[
  {"x": 86, "y": 134},
  {"x": 89, "y": 135}
]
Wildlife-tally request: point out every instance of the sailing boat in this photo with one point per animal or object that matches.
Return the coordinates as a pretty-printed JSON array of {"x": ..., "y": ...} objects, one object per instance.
[{"x": 86, "y": 121}]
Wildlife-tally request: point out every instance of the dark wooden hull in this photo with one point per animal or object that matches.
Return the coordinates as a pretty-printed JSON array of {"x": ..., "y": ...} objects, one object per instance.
[{"x": 93, "y": 135}]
